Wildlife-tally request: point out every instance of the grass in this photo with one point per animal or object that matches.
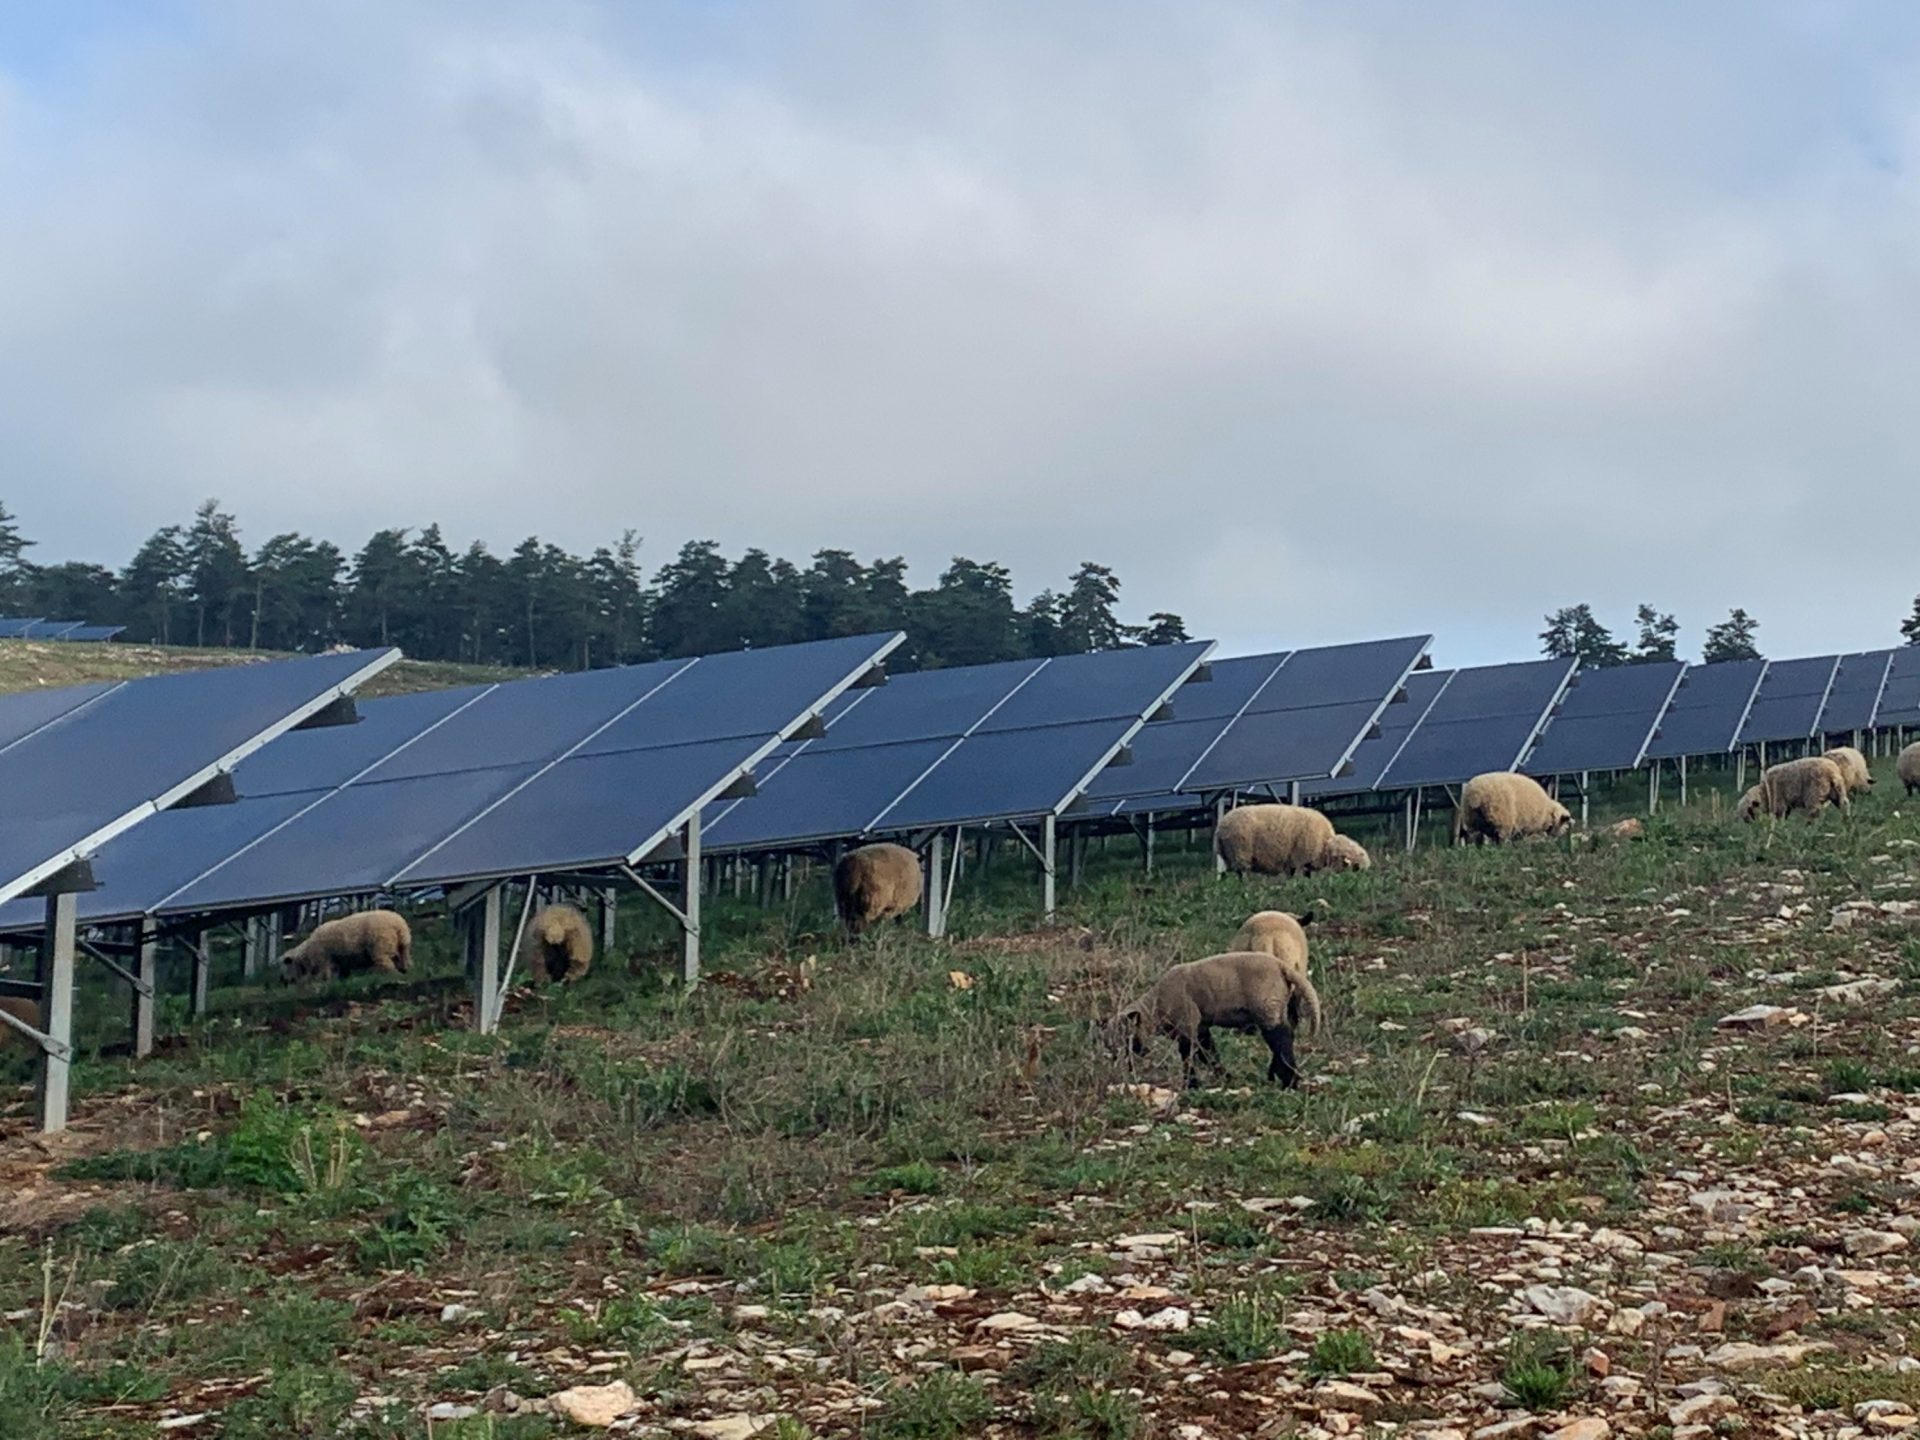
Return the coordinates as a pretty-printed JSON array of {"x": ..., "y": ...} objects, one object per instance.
[{"x": 266, "y": 1220}]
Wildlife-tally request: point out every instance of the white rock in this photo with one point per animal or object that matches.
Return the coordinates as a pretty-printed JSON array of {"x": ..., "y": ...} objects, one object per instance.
[
  {"x": 455, "y": 1313},
  {"x": 1702, "y": 1409},
  {"x": 1157, "y": 1241},
  {"x": 1339, "y": 1395},
  {"x": 182, "y": 1422},
  {"x": 1171, "y": 1318},
  {"x": 1009, "y": 1321},
  {"x": 1589, "y": 1428},
  {"x": 1562, "y": 1304},
  {"x": 739, "y": 1426},
  {"x": 594, "y": 1406},
  {"x": 1865, "y": 1244},
  {"x": 1757, "y": 1017},
  {"x": 1739, "y": 1355}
]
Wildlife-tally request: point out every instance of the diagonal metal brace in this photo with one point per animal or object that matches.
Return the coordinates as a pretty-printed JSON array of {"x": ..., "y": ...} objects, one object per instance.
[
  {"x": 44, "y": 1041},
  {"x": 662, "y": 901},
  {"x": 117, "y": 968}
]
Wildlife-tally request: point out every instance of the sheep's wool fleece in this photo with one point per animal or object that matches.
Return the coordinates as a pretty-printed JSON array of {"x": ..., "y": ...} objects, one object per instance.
[
  {"x": 1853, "y": 767},
  {"x": 1807, "y": 784},
  {"x": 370, "y": 940},
  {"x": 1275, "y": 933},
  {"x": 1236, "y": 991},
  {"x": 559, "y": 944},
  {"x": 875, "y": 883},
  {"x": 1908, "y": 767},
  {"x": 1274, "y": 839},
  {"x": 1503, "y": 806}
]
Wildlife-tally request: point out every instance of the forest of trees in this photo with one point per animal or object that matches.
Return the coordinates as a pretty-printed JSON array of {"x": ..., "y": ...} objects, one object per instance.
[
  {"x": 1575, "y": 630},
  {"x": 541, "y": 606}
]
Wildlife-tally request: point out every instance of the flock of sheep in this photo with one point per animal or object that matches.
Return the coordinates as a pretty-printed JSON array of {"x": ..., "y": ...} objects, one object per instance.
[{"x": 1260, "y": 984}]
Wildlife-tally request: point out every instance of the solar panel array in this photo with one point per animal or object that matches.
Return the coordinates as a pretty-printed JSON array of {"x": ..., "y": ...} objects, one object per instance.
[
  {"x": 80, "y": 766},
  {"x": 1787, "y": 704},
  {"x": 1264, "y": 721},
  {"x": 580, "y": 771},
  {"x": 1484, "y": 719},
  {"x": 1607, "y": 720},
  {"x": 14, "y": 628},
  {"x": 1900, "y": 699},
  {"x": 986, "y": 743}
]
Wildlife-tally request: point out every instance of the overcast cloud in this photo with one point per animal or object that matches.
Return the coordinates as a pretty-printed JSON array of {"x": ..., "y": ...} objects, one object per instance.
[{"x": 1317, "y": 322}]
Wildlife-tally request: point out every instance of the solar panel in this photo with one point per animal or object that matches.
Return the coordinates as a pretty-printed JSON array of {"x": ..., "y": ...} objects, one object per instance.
[
  {"x": 1607, "y": 719},
  {"x": 1265, "y": 720},
  {"x": 1707, "y": 709},
  {"x": 1787, "y": 705},
  {"x": 1900, "y": 701},
  {"x": 1485, "y": 719},
  {"x": 1854, "y": 697},
  {"x": 93, "y": 633},
  {"x": 1376, "y": 752},
  {"x": 54, "y": 629},
  {"x": 967, "y": 746},
  {"x": 586, "y": 771},
  {"x": 17, "y": 628},
  {"x": 130, "y": 749}
]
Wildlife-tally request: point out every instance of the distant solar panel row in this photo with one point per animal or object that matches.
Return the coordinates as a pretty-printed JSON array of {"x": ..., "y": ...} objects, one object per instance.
[
  {"x": 942, "y": 748},
  {"x": 70, "y": 630}
]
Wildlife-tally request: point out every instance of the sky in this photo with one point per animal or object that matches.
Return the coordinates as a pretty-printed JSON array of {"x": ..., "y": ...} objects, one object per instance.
[{"x": 1317, "y": 322}]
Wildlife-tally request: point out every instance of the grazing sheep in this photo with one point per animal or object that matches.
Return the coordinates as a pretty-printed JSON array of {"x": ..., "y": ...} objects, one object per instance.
[
  {"x": 1628, "y": 829},
  {"x": 369, "y": 940},
  {"x": 1908, "y": 767},
  {"x": 1500, "y": 807},
  {"x": 1284, "y": 840},
  {"x": 1809, "y": 785},
  {"x": 21, "y": 1009},
  {"x": 1853, "y": 767},
  {"x": 875, "y": 882},
  {"x": 1238, "y": 991},
  {"x": 559, "y": 944},
  {"x": 1275, "y": 933}
]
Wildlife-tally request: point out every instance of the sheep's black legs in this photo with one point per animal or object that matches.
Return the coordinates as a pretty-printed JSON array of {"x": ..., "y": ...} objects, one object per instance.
[
  {"x": 1207, "y": 1051},
  {"x": 1280, "y": 1041}
]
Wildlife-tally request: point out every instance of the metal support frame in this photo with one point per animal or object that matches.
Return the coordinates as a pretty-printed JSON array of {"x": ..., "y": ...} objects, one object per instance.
[
  {"x": 56, "y": 1007},
  {"x": 1653, "y": 788},
  {"x": 147, "y": 937},
  {"x": 482, "y": 926},
  {"x": 609, "y": 918},
  {"x": 1681, "y": 765},
  {"x": 1219, "y": 814},
  {"x": 1584, "y": 788},
  {"x": 253, "y": 941},
  {"x": 1413, "y": 818},
  {"x": 943, "y": 874},
  {"x": 202, "y": 945},
  {"x": 690, "y": 906},
  {"x": 1045, "y": 853}
]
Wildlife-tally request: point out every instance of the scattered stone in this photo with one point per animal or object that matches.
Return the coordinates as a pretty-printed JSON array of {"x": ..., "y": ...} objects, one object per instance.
[
  {"x": 1590, "y": 1428},
  {"x": 1599, "y": 1364},
  {"x": 1562, "y": 1304},
  {"x": 1157, "y": 1241},
  {"x": 1009, "y": 1321},
  {"x": 1340, "y": 1395},
  {"x": 1864, "y": 1244},
  {"x": 1171, "y": 1318},
  {"x": 456, "y": 1313},
  {"x": 1740, "y": 1355},
  {"x": 598, "y": 1406},
  {"x": 1702, "y": 1410},
  {"x": 448, "y": 1410},
  {"x": 1761, "y": 1017}
]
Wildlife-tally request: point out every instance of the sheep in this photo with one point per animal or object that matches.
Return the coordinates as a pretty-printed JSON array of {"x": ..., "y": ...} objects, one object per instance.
[
  {"x": 1275, "y": 933},
  {"x": 1853, "y": 767},
  {"x": 1284, "y": 840},
  {"x": 369, "y": 940},
  {"x": 559, "y": 944},
  {"x": 873, "y": 883},
  {"x": 1501, "y": 806},
  {"x": 1908, "y": 767},
  {"x": 1240, "y": 991},
  {"x": 1808, "y": 785},
  {"x": 20, "y": 1009}
]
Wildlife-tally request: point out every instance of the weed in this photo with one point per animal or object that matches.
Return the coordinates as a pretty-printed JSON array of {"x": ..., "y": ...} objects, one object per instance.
[
  {"x": 941, "y": 1405},
  {"x": 1243, "y": 1328},
  {"x": 1340, "y": 1352},
  {"x": 1539, "y": 1371}
]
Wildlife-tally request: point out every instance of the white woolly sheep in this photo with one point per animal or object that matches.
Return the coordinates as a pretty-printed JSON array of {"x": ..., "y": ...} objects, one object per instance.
[
  {"x": 1810, "y": 785},
  {"x": 874, "y": 883},
  {"x": 1853, "y": 767},
  {"x": 1236, "y": 991},
  {"x": 1284, "y": 840},
  {"x": 559, "y": 944},
  {"x": 1500, "y": 807},
  {"x": 1275, "y": 933},
  {"x": 1908, "y": 767},
  {"x": 369, "y": 940}
]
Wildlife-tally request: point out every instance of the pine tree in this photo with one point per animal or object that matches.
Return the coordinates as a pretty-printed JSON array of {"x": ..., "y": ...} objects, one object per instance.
[
  {"x": 1659, "y": 636},
  {"x": 1732, "y": 639},
  {"x": 1087, "y": 613},
  {"x": 217, "y": 575},
  {"x": 71, "y": 590},
  {"x": 15, "y": 571},
  {"x": 154, "y": 585},
  {"x": 1573, "y": 632},
  {"x": 689, "y": 595},
  {"x": 1910, "y": 627},
  {"x": 1163, "y": 628},
  {"x": 968, "y": 618},
  {"x": 620, "y": 600}
]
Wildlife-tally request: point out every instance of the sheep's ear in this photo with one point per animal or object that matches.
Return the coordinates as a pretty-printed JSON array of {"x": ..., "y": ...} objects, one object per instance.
[{"x": 1305, "y": 920}]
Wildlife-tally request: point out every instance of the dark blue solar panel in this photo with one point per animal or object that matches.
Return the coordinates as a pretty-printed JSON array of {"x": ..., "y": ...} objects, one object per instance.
[
  {"x": 93, "y": 633},
  {"x": 329, "y": 757},
  {"x": 23, "y": 713},
  {"x": 73, "y": 782},
  {"x": 1234, "y": 684},
  {"x": 1787, "y": 704},
  {"x": 1854, "y": 698},
  {"x": 846, "y": 784},
  {"x": 1900, "y": 701},
  {"x": 1284, "y": 745},
  {"x": 441, "y": 810},
  {"x": 1483, "y": 720},
  {"x": 822, "y": 794},
  {"x": 55, "y": 629},
  {"x": 1397, "y": 722},
  {"x": 15, "y": 629},
  {"x": 1162, "y": 755},
  {"x": 1606, "y": 720},
  {"x": 1707, "y": 709},
  {"x": 1331, "y": 675}
]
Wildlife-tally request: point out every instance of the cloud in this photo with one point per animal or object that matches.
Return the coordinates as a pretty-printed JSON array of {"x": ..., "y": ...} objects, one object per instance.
[{"x": 1316, "y": 324}]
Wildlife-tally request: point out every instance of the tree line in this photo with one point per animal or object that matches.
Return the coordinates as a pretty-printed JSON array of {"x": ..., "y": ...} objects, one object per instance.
[
  {"x": 1575, "y": 631},
  {"x": 541, "y": 606}
]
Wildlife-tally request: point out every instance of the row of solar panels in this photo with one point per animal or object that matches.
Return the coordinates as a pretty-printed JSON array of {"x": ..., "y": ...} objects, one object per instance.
[
  {"x": 581, "y": 773},
  {"x": 35, "y": 628}
]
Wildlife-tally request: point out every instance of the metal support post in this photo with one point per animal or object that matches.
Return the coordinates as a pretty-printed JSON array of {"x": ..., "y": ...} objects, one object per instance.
[
  {"x": 253, "y": 941},
  {"x": 1584, "y": 788},
  {"x": 147, "y": 936},
  {"x": 690, "y": 906},
  {"x": 1681, "y": 763},
  {"x": 1049, "y": 828},
  {"x": 1653, "y": 789},
  {"x": 202, "y": 973},
  {"x": 482, "y": 922},
  {"x": 1219, "y": 814},
  {"x": 609, "y": 918},
  {"x": 763, "y": 881},
  {"x": 1076, "y": 858},
  {"x": 1146, "y": 843},
  {"x": 935, "y": 882},
  {"x": 56, "y": 1008}
]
